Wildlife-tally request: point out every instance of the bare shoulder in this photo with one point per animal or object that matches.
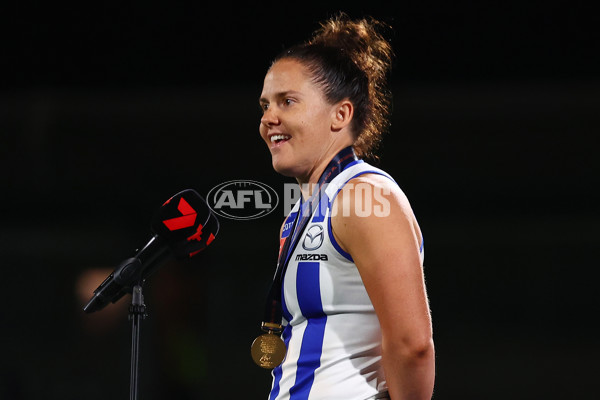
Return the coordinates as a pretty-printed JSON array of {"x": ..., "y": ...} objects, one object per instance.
[
  {"x": 372, "y": 205},
  {"x": 381, "y": 185},
  {"x": 372, "y": 195}
]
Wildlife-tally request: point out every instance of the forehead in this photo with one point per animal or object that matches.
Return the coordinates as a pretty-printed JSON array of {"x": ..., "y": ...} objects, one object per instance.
[{"x": 287, "y": 75}]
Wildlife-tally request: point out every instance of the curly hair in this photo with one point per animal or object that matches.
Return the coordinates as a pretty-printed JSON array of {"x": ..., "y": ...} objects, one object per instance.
[{"x": 351, "y": 59}]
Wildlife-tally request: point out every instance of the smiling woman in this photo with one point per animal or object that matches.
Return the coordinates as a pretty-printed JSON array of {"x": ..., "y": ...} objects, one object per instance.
[
  {"x": 295, "y": 122},
  {"x": 348, "y": 297}
]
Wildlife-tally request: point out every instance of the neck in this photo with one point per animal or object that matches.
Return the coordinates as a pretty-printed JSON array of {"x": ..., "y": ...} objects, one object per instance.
[{"x": 309, "y": 184}]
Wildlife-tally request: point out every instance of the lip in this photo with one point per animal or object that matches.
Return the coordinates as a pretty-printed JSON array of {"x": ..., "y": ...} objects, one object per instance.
[{"x": 273, "y": 145}]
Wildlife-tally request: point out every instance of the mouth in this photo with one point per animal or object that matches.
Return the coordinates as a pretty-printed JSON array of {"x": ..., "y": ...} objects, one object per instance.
[{"x": 279, "y": 138}]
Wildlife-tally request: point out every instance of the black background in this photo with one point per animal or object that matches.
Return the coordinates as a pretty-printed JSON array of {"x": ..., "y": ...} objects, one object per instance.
[{"x": 108, "y": 109}]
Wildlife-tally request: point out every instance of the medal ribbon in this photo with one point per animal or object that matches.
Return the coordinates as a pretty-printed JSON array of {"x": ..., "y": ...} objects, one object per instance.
[{"x": 273, "y": 309}]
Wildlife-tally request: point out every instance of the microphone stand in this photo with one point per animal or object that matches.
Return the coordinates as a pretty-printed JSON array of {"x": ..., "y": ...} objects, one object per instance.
[{"x": 137, "y": 312}]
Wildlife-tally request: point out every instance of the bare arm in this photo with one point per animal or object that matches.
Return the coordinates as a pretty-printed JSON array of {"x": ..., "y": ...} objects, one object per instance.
[{"x": 385, "y": 249}]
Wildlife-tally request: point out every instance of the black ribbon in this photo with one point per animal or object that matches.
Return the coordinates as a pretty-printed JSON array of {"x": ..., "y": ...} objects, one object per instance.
[{"x": 273, "y": 308}]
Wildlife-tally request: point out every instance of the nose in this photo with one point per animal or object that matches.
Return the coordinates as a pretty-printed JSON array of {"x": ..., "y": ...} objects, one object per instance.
[{"x": 269, "y": 118}]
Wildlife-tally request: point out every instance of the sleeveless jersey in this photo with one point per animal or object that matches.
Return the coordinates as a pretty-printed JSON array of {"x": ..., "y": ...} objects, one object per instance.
[{"x": 332, "y": 334}]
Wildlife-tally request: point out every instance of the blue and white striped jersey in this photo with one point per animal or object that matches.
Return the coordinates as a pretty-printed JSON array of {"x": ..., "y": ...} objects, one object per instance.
[{"x": 332, "y": 334}]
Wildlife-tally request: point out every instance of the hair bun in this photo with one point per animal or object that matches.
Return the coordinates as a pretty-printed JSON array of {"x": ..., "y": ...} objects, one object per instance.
[{"x": 362, "y": 40}]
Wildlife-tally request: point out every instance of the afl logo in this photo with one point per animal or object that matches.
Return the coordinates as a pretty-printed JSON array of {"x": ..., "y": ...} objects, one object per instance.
[
  {"x": 313, "y": 238},
  {"x": 242, "y": 200}
]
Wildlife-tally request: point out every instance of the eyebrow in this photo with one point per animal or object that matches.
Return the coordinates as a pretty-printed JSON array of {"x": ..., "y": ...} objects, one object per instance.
[{"x": 278, "y": 95}]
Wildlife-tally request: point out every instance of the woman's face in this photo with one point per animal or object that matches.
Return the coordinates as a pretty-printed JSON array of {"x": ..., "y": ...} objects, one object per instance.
[{"x": 296, "y": 121}]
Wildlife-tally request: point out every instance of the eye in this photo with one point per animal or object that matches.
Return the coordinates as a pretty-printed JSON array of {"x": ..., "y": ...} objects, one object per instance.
[
  {"x": 288, "y": 102},
  {"x": 264, "y": 107}
]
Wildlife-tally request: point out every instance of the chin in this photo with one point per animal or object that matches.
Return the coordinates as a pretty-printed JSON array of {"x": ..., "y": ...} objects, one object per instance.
[
  {"x": 286, "y": 166},
  {"x": 283, "y": 169}
]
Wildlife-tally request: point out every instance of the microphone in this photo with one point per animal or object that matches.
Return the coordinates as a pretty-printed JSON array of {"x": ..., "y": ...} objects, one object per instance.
[{"x": 182, "y": 227}]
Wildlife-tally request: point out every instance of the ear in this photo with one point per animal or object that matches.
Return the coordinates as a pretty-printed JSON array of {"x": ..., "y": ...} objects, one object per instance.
[{"x": 342, "y": 115}]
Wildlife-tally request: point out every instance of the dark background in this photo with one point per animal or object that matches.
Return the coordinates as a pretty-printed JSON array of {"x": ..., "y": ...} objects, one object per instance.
[{"x": 108, "y": 109}]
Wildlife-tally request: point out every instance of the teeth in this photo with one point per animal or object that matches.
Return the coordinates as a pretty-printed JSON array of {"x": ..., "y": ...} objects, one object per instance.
[{"x": 279, "y": 137}]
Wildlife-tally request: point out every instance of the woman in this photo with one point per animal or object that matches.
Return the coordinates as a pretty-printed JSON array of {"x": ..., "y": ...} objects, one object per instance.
[{"x": 354, "y": 305}]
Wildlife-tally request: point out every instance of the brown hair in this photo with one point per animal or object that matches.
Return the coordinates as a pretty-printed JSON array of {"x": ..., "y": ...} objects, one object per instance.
[{"x": 350, "y": 59}]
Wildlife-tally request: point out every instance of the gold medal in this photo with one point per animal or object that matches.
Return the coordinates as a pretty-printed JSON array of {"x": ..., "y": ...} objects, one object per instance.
[{"x": 268, "y": 350}]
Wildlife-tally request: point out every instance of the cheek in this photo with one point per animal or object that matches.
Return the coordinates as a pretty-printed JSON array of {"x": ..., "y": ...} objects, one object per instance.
[
  {"x": 310, "y": 121},
  {"x": 262, "y": 131},
  {"x": 315, "y": 125}
]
